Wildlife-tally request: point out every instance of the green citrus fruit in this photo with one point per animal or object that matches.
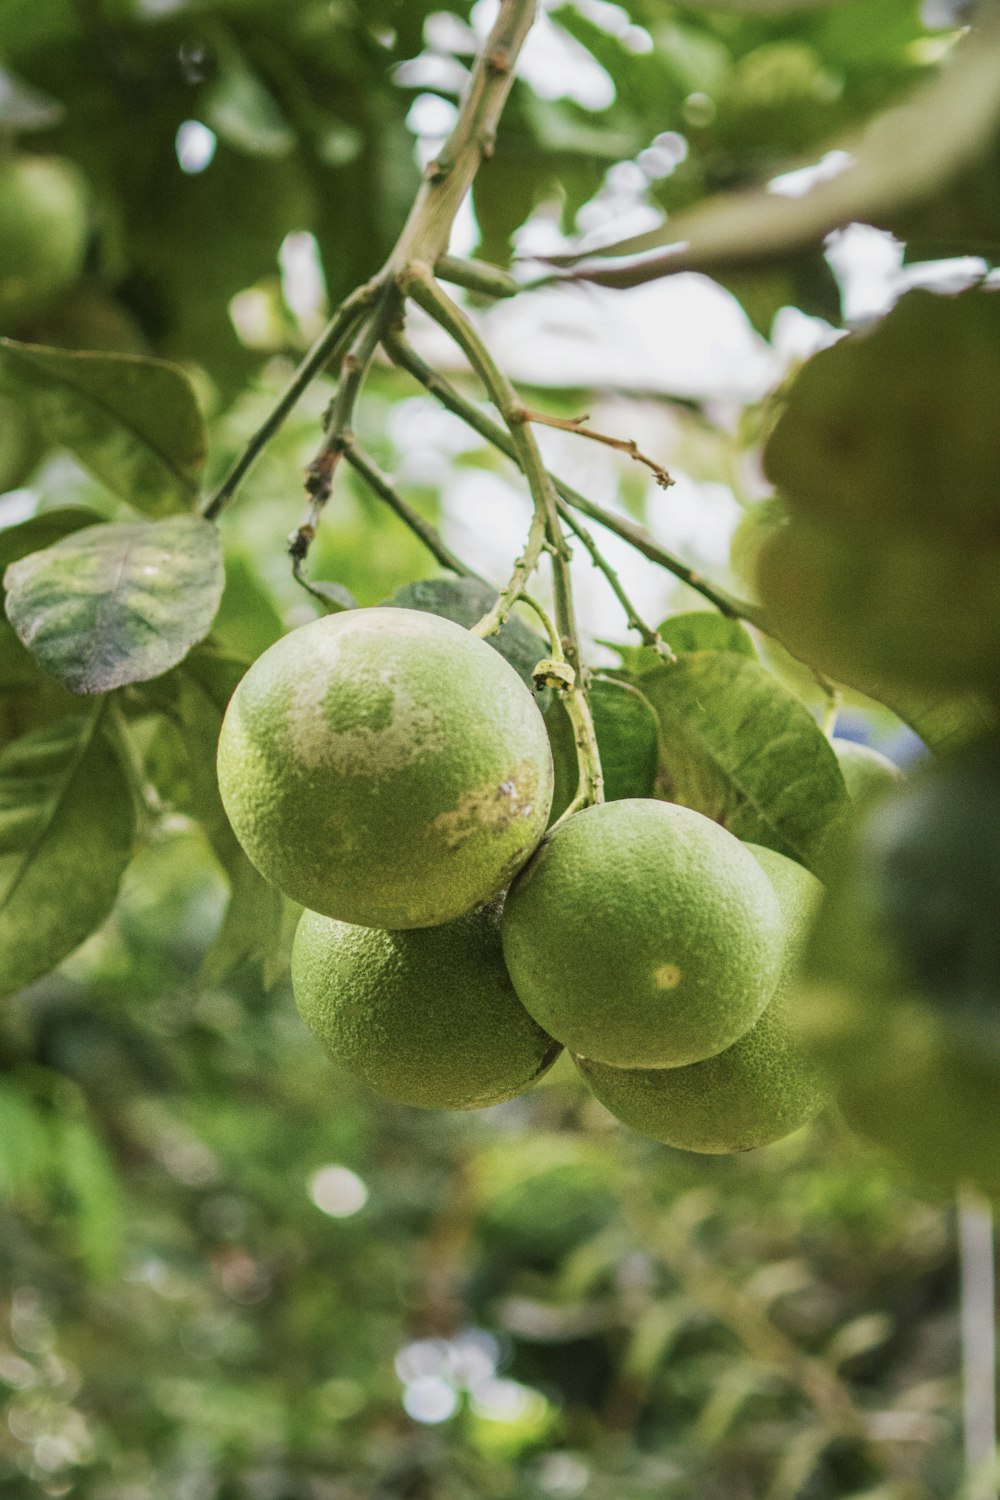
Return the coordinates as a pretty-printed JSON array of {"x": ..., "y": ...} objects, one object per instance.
[
  {"x": 761, "y": 1088},
  {"x": 865, "y": 771},
  {"x": 385, "y": 767},
  {"x": 427, "y": 1017},
  {"x": 643, "y": 934},
  {"x": 43, "y": 231},
  {"x": 901, "y": 995}
]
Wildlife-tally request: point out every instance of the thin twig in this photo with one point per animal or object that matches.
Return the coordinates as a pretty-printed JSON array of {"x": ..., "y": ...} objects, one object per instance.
[
  {"x": 646, "y": 633},
  {"x": 620, "y": 445},
  {"x": 327, "y": 349},
  {"x": 404, "y": 355},
  {"x": 424, "y": 529},
  {"x": 319, "y": 474}
]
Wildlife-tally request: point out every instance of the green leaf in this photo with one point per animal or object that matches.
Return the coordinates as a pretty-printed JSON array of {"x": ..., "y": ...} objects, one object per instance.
[
  {"x": 119, "y": 603},
  {"x": 706, "y": 630},
  {"x": 739, "y": 747},
  {"x": 627, "y": 738},
  {"x": 902, "y": 157},
  {"x": 25, "y": 1144},
  {"x": 243, "y": 112},
  {"x": 181, "y": 765},
  {"x": 67, "y": 821},
  {"x": 133, "y": 422},
  {"x": 894, "y": 426},
  {"x": 42, "y": 530},
  {"x": 85, "y": 1168},
  {"x": 943, "y": 723},
  {"x": 25, "y": 108},
  {"x": 28, "y": 697}
]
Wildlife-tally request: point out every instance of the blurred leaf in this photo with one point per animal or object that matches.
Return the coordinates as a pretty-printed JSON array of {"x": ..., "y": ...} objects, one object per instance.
[
  {"x": 741, "y": 1380},
  {"x": 858, "y": 1336},
  {"x": 118, "y": 603},
  {"x": 25, "y": 1142},
  {"x": 67, "y": 822},
  {"x": 334, "y": 596},
  {"x": 943, "y": 723},
  {"x": 25, "y": 108},
  {"x": 244, "y": 112},
  {"x": 86, "y": 1170},
  {"x": 742, "y": 749},
  {"x": 133, "y": 422},
  {"x": 251, "y": 926},
  {"x": 902, "y": 157},
  {"x": 181, "y": 765},
  {"x": 706, "y": 630},
  {"x": 895, "y": 425},
  {"x": 29, "y": 698}
]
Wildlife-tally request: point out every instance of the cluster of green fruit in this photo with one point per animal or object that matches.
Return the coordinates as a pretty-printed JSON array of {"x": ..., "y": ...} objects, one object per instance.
[{"x": 390, "y": 771}]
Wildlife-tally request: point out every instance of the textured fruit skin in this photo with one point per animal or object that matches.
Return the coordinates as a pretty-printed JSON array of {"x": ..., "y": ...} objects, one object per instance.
[
  {"x": 43, "y": 231},
  {"x": 643, "y": 934},
  {"x": 427, "y": 1017},
  {"x": 758, "y": 1090},
  {"x": 385, "y": 767},
  {"x": 865, "y": 771}
]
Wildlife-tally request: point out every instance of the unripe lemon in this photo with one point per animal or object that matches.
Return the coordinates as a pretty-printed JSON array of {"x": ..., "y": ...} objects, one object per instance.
[
  {"x": 385, "y": 767},
  {"x": 761, "y": 1088},
  {"x": 865, "y": 771},
  {"x": 643, "y": 934},
  {"x": 43, "y": 231},
  {"x": 427, "y": 1017}
]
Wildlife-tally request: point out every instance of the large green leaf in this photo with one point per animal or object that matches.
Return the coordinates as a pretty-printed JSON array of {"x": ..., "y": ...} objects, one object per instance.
[
  {"x": 41, "y": 531},
  {"x": 67, "y": 822},
  {"x": 706, "y": 630},
  {"x": 739, "y": 747},
  {"x": 116, "y": 604},
  {"x": 897, "y": 425},
  {"x": 901, "y": 158},
  {"x": 133, "y": 422}
]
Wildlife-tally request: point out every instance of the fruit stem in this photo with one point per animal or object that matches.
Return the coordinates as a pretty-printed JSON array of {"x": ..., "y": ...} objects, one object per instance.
[
  {"x": 546, "y": 530},
  {"x": 405, "y": 356},
  {"x": 329, "y": 348}
]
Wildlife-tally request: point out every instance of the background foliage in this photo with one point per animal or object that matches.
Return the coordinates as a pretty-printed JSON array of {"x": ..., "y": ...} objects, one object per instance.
[{"x": 227, "y": 1273}]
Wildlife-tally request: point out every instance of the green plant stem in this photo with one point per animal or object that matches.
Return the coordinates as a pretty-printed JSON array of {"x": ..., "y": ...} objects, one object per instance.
[
  {"x": 328, "y": 349},
  {"x": 404, "y": 355},
  {"x": 426, "y": 232},
  {"x": 337, "y": 429},
  {"x": 546, "y": 529},
  {"x": 646, "y": 633},
  {"x": 476, "y": 276},
  {"x": 383, "y": 488},
  {"x": 448, "y": 178}
]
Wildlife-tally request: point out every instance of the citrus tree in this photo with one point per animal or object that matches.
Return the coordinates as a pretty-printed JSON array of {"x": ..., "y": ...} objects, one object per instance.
[{"x": 232, "y": 309}]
